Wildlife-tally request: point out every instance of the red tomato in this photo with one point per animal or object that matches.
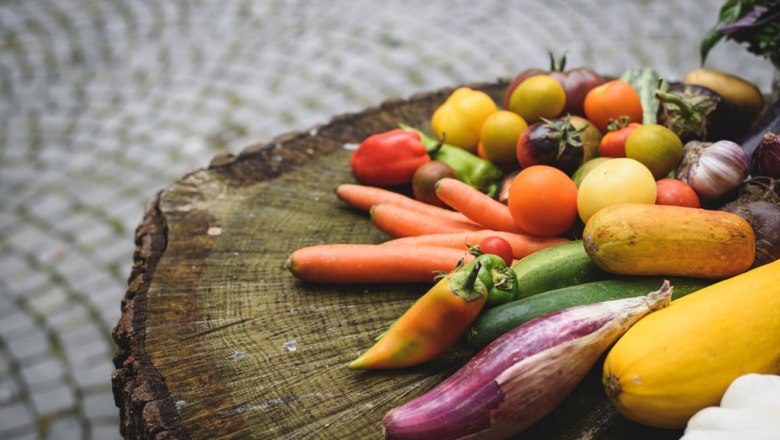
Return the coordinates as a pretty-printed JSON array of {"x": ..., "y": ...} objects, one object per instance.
[
  {"x": 543, "y": 200},
  {"x": 499, "y": 247},
  {"x": 676, "y": 192},
  {"x": 613, "y": 144},
  {"x": 612, "y": 100}
]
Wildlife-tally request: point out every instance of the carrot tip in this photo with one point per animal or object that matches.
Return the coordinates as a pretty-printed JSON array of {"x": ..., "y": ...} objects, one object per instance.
[{"x": 288, "y": 264}]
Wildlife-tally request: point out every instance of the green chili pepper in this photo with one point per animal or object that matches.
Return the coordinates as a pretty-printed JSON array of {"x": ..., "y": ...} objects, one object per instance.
[{"x": 470, "y": 168}]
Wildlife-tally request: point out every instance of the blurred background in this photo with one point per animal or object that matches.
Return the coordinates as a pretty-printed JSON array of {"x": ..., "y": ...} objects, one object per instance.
[{"x": 105, "y": 102}]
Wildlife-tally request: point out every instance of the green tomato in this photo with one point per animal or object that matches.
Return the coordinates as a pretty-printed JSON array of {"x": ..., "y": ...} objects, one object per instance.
[
  {"x": 655, "y": 146},
  {"x": 586, "y": 168}
]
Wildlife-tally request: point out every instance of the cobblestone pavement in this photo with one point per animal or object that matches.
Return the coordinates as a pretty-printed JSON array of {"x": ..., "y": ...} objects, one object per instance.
[{"x": 102, "y": 103}]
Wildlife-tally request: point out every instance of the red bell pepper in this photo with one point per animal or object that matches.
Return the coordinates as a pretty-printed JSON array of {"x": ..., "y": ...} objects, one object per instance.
[{"x": 389, "y": 158}]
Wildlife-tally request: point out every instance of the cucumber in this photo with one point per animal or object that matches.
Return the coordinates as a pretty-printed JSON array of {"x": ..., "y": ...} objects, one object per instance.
[
  {"x": 558, "y": 266},
  {"x": 499, "y": 320},
  {"x": 645, "y": 81}
]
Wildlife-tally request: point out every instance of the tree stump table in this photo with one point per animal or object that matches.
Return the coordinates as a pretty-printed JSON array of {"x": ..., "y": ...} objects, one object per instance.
[{"x": 218, "y": 340}]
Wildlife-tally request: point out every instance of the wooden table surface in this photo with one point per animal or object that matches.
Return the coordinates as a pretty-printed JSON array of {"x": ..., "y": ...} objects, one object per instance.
[{"x": 218, "y": 340}]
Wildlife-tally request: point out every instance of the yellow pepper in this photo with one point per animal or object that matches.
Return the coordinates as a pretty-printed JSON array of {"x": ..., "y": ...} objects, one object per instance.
[{"x": 459, "y": 120}]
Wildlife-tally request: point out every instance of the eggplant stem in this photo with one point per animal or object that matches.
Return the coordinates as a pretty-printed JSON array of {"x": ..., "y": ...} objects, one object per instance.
[{"x": 686, "y": 108}]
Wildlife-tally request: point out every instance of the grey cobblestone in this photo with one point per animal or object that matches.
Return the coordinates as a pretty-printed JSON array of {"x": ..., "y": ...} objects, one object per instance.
[
  {"x": 42, "y": 371},
  {"x": 103, "y": 103},
  {"x": 9, "y": 389},
  {"x": 30, "y": 343},
  {"x": 48, "y": 301},
  {"x": 13, "y": 417},
  {"x": 99, "y": 405},
  {"x": 69, "y": 428},
  {"x": 68, "y": 317},
  {"x": 15, "y": 322},
  {"x": 54, "y": 399}
]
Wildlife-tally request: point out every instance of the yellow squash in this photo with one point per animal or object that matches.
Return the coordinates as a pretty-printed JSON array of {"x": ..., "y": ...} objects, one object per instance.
[
  {"x": 739, "y": 91},
  {"x": 681, "y": 359},
  {"x": 642, "y": 239}
]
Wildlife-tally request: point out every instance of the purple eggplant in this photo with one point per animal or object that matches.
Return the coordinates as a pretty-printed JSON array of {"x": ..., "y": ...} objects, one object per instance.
[
  {"x": 521, "y": 376},
  {"x": 698, "y": 113},
  {"x": 768, "y": 123}
]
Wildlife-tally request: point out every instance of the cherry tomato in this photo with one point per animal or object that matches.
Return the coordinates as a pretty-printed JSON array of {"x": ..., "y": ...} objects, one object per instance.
[
  {"x": 498, "y": 138},
  {"x": 425, "y": 178},
  {"x": 590, "y": 137},
  {"x": 564, "y": 143},
  {"x": 499, "y": 247},
  {"x": 676, "y": 192},
  {"x": 613, "y": 144},
  {"x": 543, "y": 200},
  {"x": 612, "y": 100},
  {"x": 576, "y": 82},
  {"x": 655, "y": 146},
  {"x": 618, "y": 180},
  {"x": 459, "y": 119},
  {"x": 522, "y": 76},
  {"x": 586, "y": 168},
  {"x": 538, "y": 97}
]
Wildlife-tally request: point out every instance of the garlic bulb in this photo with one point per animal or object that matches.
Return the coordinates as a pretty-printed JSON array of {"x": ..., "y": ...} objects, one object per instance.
[
  {"x": 713, "y": 168},
  {"x": 750, "y": 409}
]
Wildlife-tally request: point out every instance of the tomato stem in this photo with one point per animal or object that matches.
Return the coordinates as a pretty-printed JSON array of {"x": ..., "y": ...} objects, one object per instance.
[
  {"x": 566, "y": 134},
  {"x": 616, "y": 124},
  {"x": 559, "y": 65}
]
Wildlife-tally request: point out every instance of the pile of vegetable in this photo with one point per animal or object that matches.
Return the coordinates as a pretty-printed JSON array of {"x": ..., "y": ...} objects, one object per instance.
[{"x": 580, "y": 216}]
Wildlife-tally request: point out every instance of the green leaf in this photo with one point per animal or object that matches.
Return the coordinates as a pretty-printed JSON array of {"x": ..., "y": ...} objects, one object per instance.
[{"x": 730, "y": 12}]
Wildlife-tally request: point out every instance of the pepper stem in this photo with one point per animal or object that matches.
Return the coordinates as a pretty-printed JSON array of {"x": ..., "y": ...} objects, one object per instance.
[
  {"x": 463, "y": 281},
  {"x": 486, "y": 276}
]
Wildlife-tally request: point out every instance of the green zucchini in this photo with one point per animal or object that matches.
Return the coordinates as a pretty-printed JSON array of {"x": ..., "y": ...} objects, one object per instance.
[
  {"x": 645, "y": 81},
  {"x": 558, "y": 266},
  {"x": 499, "y": 320}
]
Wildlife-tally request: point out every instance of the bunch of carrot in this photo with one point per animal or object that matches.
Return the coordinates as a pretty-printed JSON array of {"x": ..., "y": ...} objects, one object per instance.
[{"x": 426, "y": 239}]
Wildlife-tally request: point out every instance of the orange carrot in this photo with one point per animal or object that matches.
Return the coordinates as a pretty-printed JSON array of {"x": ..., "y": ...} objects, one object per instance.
[
  {"x": 522, "y": 245},
  {"x": 371, "y": 263},
  {"x": 397, "y": 221},
  {"x": 363, "y": 197},
  {"x": 476, "y": 205}
]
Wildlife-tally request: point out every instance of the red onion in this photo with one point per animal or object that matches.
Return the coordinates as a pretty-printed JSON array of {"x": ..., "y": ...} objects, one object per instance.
[
  {"x": 759, "y": 203},
  {"x": 521, "y": 376},
  {"x": 713, "y": 168},
  {"x": 766, "y": 157}
]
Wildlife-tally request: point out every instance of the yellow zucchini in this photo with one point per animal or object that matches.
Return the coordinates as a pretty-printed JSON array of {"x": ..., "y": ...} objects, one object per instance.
[
  {"x": 641, "y": 239},
  {"x": 681, "y": 359}
]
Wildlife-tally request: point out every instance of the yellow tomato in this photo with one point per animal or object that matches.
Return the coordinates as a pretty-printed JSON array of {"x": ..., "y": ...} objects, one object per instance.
[
  {"x": 540, "y": 96},
  {"x": 499, "y": 137},
  {"x": 459, "y": 119},
  {"x": 618, "y": 180},
  {"x": 655, "y": 146}
]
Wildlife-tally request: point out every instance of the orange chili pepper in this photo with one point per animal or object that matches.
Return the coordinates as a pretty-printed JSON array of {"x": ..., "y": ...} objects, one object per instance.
[{"x": 441, "y": 316}]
